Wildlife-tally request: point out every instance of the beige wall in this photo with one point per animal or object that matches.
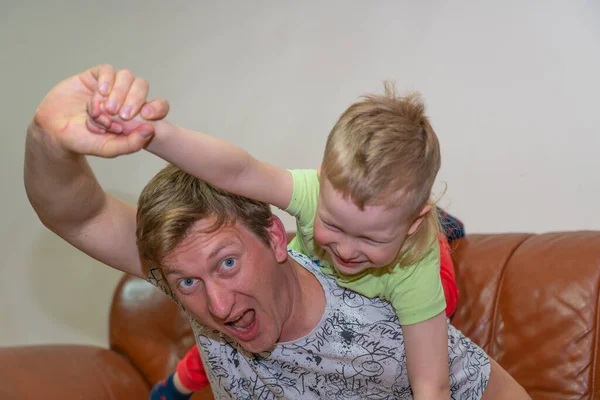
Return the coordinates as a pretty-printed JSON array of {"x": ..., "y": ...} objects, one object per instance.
[{"x": 512, "y": 90}]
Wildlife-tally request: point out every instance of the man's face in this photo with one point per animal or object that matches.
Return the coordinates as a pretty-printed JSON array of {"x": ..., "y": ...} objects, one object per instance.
[{"x": 231, "y": 281}]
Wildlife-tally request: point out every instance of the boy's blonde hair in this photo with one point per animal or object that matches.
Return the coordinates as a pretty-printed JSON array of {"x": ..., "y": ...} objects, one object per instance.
[
  {"x": 383, "y": 151},
  {"x": 173, "y": 201}
]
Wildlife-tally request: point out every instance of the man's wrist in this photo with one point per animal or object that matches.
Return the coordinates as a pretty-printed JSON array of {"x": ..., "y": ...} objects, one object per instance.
[{"x": 40, "y": 138}]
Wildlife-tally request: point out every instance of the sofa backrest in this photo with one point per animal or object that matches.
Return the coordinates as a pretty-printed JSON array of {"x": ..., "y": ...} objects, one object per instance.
[
  {"x": 147, "y": 327},
  {"x": 531, "y": 301}
]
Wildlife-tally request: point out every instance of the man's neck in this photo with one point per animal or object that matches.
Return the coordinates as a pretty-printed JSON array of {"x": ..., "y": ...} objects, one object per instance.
[{"x": 307, "y": 305}]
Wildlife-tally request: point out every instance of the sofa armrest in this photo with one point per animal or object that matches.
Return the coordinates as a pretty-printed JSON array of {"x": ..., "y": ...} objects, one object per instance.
[{"x": 68, "y": 372}]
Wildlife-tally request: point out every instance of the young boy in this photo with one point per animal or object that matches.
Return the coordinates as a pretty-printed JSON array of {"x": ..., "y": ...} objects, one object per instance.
[{"x": 366, "y": 214}]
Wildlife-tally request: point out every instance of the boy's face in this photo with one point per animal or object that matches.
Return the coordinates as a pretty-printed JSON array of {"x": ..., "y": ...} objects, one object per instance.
[{"x": 357, "y": 240}]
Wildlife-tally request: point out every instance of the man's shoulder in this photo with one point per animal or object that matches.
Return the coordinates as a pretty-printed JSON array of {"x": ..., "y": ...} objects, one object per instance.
[
  {"x": 312, "y": 264},
  {"x": 341, "y": 298}
]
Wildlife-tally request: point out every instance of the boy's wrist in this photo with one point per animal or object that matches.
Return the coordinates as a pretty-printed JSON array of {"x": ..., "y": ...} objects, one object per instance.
[
  {"x": 163, "y": 131},
  {"x": 163, "y": 128}
]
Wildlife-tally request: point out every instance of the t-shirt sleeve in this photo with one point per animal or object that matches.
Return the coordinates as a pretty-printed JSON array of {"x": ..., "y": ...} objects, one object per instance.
[
  {"x": 303, "y": 206},
  {"x": 157, "y": 278},
  {"x": 416, "y": 291}
]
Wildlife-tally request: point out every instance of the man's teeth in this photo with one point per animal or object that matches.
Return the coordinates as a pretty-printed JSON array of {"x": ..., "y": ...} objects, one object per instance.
[
  {"x": 233, "y": 323},
  {"x": 237, "y": 319},
  {"x": 246, "y": 320},
  {"x": 240, "y": 329}
]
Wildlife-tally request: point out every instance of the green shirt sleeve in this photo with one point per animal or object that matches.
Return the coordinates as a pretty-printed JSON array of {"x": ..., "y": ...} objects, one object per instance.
[{"x": 303, "y": 207}]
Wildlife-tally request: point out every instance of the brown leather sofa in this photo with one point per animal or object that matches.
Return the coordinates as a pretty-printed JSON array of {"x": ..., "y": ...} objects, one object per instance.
[{"x": 531, "y": 301}]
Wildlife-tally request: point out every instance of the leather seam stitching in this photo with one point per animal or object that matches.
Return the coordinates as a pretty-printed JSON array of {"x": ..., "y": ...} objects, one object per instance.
[{"x": 497, "y": 295}]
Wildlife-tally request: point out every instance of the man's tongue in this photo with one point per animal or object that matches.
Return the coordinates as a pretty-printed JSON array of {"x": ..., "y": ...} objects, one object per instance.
[{"x": 245, "y": 321}]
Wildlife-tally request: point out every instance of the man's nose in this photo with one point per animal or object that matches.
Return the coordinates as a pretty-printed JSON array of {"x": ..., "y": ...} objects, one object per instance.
[{"x": 220, "y": 300}]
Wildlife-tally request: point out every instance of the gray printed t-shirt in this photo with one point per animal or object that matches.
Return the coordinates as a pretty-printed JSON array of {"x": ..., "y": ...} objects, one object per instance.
[{"x": 355, "y": 352}]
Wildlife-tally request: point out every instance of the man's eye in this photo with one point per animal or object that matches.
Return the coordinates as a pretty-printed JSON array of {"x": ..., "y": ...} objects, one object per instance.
[
  {"x": 187, "y": 283},
  {"x": 228, "y": 263}
]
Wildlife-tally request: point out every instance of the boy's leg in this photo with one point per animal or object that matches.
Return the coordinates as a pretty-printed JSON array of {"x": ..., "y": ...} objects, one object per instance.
[
  {"x": 191, "y": 371},
  {"x": 447, "y": 275},
  {"x": 169, "y": 389},
  {"x": 452, "y": 227}
]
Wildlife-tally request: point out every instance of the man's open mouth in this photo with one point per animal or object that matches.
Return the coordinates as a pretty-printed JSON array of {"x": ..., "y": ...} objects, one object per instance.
[
  {"x": 243, "y": 322},
  {"x": 244, "y": 327}
]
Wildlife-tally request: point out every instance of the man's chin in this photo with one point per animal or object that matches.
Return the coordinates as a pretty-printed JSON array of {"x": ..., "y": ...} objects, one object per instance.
[
  {"x": 250, "y": 337},
  {"x": 248, "y": 331},
  {"x": 256, "y": 348}
]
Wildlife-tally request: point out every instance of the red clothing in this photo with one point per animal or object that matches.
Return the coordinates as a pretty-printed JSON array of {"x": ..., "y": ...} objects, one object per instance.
[
  {"x": 191, "y": 371},
  {"x": 448, "y": 276}
]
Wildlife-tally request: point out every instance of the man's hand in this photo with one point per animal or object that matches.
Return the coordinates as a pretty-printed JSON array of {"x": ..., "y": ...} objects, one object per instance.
[{"x": 91, "y": 113}]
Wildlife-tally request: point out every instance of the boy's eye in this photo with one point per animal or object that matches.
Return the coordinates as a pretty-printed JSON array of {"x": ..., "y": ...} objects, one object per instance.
[
  {"x": 228, "y": 263},
  {"x": 332, "y": 227},
  {"x": 371, "y": 241}
]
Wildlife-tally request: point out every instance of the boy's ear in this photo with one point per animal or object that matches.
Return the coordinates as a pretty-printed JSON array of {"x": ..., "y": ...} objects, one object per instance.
[
  {"x": 417, "y": 222},
  {"x": 278, "y": 239}
]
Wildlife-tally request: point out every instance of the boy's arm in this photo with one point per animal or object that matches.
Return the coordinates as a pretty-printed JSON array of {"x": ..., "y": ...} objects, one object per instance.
[
  {"x": 418, "y": 298},
  {"x": 222, "y": 164},
  {"x": 426, "y": 345}
]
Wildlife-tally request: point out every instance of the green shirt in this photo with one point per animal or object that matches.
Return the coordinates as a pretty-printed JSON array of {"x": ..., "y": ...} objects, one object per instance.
[{"x": 415, "y": 291}]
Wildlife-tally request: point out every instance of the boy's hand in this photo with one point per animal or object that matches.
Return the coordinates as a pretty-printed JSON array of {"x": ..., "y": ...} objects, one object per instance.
[
  {"x": 72, "y": 116},
  {"x": 121, "y": 107}
]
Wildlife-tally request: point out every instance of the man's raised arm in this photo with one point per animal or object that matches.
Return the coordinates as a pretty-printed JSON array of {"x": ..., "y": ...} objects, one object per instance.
[{"x": 70, "y": 123}]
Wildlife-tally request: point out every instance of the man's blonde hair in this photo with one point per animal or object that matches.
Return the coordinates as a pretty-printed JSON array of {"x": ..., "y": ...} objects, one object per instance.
[
  {"x": 173, "y": 201},
  {"x": 383, "y": 151}
]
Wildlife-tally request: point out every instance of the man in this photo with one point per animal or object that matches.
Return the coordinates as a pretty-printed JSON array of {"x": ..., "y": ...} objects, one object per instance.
[{"x": 268, "y": 323}]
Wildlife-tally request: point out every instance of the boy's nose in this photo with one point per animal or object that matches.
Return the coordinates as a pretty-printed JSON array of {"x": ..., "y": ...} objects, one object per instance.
[{"x": 346, "y": 252}]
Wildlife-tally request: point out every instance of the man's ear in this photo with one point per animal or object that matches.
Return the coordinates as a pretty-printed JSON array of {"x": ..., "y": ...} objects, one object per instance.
[
  {"x": 278, "y": 238},
  {"x": 417, "y": 222}
]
